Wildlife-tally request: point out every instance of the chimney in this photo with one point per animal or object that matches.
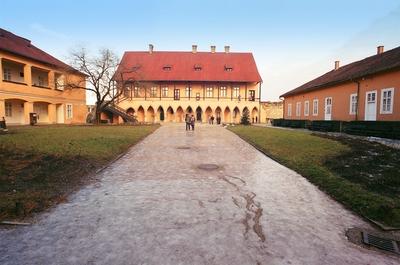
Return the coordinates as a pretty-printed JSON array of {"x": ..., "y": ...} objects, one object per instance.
[
  {"x": 379, "y": 49},
  {"x": 194, "y": 48},
  {"x": 227, "y": 49},
  {"x": 151, "y": 47},
  {"x": 337, "y": 63},
  {"x": 212, "y": 49}
]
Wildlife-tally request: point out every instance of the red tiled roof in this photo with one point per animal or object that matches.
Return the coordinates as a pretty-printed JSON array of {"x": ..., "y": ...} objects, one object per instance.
[
  {"x": 12, "y": 43},
  {"x": 150, "y": 66},
  {"x": 375, "y": 64}
]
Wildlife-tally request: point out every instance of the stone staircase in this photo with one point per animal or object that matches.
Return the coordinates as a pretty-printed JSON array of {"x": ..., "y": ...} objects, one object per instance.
[{"x": 114, "y": 109}]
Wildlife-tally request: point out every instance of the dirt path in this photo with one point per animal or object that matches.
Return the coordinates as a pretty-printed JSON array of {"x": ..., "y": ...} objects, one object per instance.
[{"x": 155, "y": 206}]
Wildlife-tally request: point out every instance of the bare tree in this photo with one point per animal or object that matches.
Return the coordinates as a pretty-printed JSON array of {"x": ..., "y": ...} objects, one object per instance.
[{"x": 104, "y": 77}]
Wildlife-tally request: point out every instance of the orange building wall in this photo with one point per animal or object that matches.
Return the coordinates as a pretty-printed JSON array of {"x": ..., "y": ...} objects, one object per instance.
[
  {"x": 28, "y": 98},
  {"x": 341, "y": 99}
]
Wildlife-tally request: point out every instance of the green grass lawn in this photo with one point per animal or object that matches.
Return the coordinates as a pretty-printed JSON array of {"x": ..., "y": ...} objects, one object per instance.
[
  {"x": 41, "y": 165},
  {"x": 363, "y": 176}
]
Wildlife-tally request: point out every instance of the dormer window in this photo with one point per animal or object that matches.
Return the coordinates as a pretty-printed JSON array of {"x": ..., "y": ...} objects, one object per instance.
[
  {"x": 167, "y": 67},
  {"x": 228, "y": 68},
  {"x": 197, "y": 67}
]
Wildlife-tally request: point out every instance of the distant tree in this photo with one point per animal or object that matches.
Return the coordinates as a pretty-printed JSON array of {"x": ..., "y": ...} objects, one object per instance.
[
  {"x": 245, "y": 119},
  {"x": 101, "y": 75}
]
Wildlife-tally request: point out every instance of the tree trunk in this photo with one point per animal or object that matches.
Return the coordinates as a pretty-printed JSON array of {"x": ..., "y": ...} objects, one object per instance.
[{"x": 97, "y": 118}]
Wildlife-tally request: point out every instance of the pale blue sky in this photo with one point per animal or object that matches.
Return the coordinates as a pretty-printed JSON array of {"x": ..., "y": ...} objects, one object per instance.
[{"x": 292, "y": 41}]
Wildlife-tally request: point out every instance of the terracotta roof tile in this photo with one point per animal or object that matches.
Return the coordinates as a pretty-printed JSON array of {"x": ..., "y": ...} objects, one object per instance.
[
  {"x": 12, "y": 43},
  {"x": 183, "y": 66},
  {"x": 378, "y": 63}
]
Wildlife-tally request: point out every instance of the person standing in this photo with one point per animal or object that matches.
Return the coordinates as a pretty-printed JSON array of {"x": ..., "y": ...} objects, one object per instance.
[
  {"x": 187, "y": 121},
  {"x": 192, "y": 120},
  {"x": 212, "y": 119}
]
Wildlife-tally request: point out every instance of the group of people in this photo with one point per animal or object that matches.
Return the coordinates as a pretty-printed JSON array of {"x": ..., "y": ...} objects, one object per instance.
[
  {"x": 190, "y": 120},
  {"x": 212, "y": 118}
]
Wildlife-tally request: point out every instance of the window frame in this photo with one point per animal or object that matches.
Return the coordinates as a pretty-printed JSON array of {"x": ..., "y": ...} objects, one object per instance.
[
  {"x": 351, "y": 112},
  {"x": 8, "y": 109},
  {"x": 153, "y": 92},
  {"x": 223, "y": 92},
  {"x": 315, "y": 113},
  {"x": 236, "y": 91},
  {"x": 298, "y": 109},
  {"x": 7, "y": 74},
  {"x": 306, "y": 109},
  {"x": 289, "y": 109},
  {"x": 209, "y": 92},
  {"x": 382, "y": 111},
  {"x": 69, "y": 111},
  {"x": 188, "y": 91},
  {"x": 164, "y": 91}
]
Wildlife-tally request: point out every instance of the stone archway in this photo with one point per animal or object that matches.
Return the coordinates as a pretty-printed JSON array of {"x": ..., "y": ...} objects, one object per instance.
[
  {"x": 150, "y": 116},
  {"x": 208, "y": 113},
  {"x": 179, "y": 115},
  {"x": 199, "y": 114},
  {"x": 160, "y": 114},
  {"x": 170, "y": 114},
  {"x": 227, "y": 115},
  {"x": 218, "y": 117},
  {"x": 130, "y": 111},
  {"x": 255, "y": 118},
  {"x": 236, "y": 115},
  {"x": 140, "y": 114}
]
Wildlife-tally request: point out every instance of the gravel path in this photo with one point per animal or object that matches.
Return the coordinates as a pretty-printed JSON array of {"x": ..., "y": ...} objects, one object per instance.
[{"x": 155, "y": 206}]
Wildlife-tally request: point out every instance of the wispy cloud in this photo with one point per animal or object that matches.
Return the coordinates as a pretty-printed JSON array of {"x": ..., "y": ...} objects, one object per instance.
[{"x": 39, "y": 28}]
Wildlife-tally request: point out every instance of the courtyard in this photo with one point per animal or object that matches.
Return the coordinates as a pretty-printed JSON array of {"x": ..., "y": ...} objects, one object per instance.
[{"x": 202, "y": 197}]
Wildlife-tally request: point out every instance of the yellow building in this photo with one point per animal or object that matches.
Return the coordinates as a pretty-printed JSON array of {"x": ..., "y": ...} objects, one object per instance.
[
  {"x": 165, "y": 86},
  {"x": 32, "y": 81},
  {"x": 271, "y": 110}
]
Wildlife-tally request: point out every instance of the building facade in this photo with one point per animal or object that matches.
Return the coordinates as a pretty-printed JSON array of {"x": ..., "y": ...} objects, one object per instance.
[
  {"x": 33, "y": 81},
  {"x": 368, "y": 89},
  {"x": 271, "y": 110},
  {"x": 165, "y": 86}
]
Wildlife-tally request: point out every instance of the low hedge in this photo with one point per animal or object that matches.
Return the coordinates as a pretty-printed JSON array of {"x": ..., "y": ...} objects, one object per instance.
[
  {"x": 384, "y": 129},
  {"x": 326, "y": 126},
  {"x": 290, "y": 123}
]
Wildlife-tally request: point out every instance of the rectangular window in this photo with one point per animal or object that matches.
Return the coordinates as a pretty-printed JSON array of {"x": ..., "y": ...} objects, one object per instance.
[
  {"x": 387, "y": 100},
  {"x": 289, "y": 110},
  {"x": 236, "y": 92},
  {"x": 252, "y": 95},
  {"x": 153, "y": 92},
  {"x": 177, "y": 94},
  {"x": 353, "y": 104},
  {"x": 315, "y": 107},
  {"x": 222, "y": 91},
  {"x": 209, "y": 92},
  {"x": 127, "y": 91},
  {"x": 188, "y": 92},
  {"x": 298, "y": 109},
  {"x": 136, "y": 91},
  {"x": 69, "y": 111},
  {"x": 306, "y": 108},
  {"x": 40, "y": 80},
  {"x": 8, "y": 106},
  {"x": 165, "y": 91},
  {"x": 7, "y": 74}
]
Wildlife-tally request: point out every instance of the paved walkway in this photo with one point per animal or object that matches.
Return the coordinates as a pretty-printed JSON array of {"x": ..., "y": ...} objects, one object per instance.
[{"x": 154, "y": 206}]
